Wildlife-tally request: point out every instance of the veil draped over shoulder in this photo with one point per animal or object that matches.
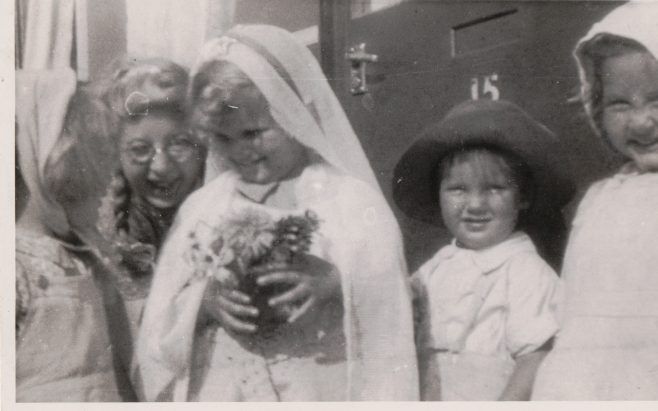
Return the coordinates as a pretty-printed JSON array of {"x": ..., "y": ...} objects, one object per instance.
[
  {"x": 366, "y": 248},
  {"x": 301, "y": 100}
]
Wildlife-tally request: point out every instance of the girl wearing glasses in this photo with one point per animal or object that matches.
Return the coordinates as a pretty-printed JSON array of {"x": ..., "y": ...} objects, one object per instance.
[{"x": 161, "y": 162}]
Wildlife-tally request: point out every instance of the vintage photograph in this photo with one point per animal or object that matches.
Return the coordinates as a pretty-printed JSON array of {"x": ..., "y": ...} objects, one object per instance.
[{"x": 333, "y": 200}]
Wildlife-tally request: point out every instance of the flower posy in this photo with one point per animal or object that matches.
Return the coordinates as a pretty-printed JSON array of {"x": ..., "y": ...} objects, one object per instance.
[
  {"x": 249, "y": 235},
  {"x": 247, "y": 239},
  {"x": 293, "y": 235}
]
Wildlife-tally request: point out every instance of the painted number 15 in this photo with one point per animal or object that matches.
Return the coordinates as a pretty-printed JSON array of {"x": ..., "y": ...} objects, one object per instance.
[{"x": 485, "y": 87}]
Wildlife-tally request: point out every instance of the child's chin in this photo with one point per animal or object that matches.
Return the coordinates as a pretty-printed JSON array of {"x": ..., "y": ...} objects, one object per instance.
[
  {"x": 257, "y": 178},
  {"x": 481, "y": 243},
  {"x": 162, "y": 203},
  {"x": 649, "y": 165}
]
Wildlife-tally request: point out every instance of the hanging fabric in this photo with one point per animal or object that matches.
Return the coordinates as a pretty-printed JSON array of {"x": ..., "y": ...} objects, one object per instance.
[
  {"x": 175, "y": 29},
  {"x": 48, "y": 33}
]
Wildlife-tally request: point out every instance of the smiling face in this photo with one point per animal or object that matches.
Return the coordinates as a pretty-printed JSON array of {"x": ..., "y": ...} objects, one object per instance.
[
  {"x": 630, "y": 107},
  {"x": 479, "y": 199},
  {"x": 161, "y": 162},
  {"x": 253, "y": 143}
]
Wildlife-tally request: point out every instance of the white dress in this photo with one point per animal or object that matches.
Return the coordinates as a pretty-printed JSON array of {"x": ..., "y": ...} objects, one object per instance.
[
  {"x": 479, "y": 309},
  {"x": 607, "y": 348},
  {"x": 362, "y": 351}
]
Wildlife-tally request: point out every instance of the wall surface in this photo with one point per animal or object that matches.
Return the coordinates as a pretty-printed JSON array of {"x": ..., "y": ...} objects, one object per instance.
[
  {"x": 107, "y": 25},
  {"x": 106, "y": 34}
]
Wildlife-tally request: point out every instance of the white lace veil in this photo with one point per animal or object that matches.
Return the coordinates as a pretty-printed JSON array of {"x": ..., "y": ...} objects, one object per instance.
[
  {"x": 304, "y": 105},
  {"x": 300, "y": 98}
]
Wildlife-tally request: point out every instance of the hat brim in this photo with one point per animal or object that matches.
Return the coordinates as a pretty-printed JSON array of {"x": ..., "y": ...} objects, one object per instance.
[{"x": 482, "y": 123}]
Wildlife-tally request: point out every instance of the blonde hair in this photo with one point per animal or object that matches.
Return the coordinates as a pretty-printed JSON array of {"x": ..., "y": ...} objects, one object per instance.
[
  {"x": 212, "y": 88},
  {"x": 81, "y": 160},
  {"x": 141, "y": 87},
  {"x": 137, "y": 89}
]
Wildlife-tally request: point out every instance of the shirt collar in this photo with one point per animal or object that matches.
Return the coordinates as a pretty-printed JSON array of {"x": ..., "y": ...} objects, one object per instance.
[
  {"x": 257, "y": 193},
  {"x": 493, "y": 257},
  {"x": 288, "y": 192}
]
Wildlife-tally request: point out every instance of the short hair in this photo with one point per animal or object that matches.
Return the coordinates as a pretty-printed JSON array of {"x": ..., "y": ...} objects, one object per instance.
[
  {"x": 212, "y": 89},
  {"x": 521, "y": 173}
]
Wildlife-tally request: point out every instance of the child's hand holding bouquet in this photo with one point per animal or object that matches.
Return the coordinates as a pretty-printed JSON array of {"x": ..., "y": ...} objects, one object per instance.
[
  {"x": 261, "y": 272},
  {"x": 306, "y": 282}
]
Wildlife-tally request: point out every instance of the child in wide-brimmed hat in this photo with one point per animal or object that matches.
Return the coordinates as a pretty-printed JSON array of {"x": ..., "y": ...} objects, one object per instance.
[{"x": 485, "y": 302}]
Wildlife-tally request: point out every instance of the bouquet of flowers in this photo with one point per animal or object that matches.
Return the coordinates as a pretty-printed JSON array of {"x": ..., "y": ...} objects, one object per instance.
[{"x": 230, "y": 250}]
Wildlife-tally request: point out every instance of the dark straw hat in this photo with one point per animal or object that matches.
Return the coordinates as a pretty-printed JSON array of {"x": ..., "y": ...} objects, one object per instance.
[{"x": 482, "y": 123}]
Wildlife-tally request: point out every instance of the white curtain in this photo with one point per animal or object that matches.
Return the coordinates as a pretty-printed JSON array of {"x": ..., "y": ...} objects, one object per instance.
[
  {"x": 175, "y": 29},
  {"x": 48, "y": 32}
]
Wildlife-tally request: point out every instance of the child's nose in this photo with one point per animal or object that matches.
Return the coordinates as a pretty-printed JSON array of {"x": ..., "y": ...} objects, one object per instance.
[
  {"x": 476, "y": 201},
  {"x": 161, "y": 165}
]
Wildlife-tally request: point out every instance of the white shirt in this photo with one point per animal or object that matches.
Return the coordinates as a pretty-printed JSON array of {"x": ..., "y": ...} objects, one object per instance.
[
  {"x": 499, "y": 301},
  {"x": 358, "y": 234}
]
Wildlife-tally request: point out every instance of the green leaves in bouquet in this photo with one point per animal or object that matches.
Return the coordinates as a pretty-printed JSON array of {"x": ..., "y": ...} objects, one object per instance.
[
  {"x": 292, "y": 235},
  {"x": 248, "y": 239}
]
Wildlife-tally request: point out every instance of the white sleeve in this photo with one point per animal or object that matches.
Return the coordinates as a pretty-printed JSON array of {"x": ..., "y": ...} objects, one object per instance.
[
  {"x": 166, "y": 335},
  {"x": 531, "y": 297}
]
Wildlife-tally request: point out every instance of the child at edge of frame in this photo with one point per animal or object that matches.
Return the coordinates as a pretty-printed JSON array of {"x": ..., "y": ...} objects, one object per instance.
[
  {"x": 608, "y": 343},
  {"x": 485, "y": 305},
  {"x": 68, "y": 319}
]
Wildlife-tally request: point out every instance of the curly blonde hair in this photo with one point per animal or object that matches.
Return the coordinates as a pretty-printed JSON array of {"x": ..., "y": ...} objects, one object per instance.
[
  {"x": 212, "y": 89},
  {"x": 136, "y": 89}
]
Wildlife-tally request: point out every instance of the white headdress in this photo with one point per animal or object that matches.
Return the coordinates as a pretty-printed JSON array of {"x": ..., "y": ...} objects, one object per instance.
[
  {"x": 379, "y": 346},
  {"x": 636, "y": 21},
  {"x": 300, "y": 98},
  {"x": 42, "y": 100}
]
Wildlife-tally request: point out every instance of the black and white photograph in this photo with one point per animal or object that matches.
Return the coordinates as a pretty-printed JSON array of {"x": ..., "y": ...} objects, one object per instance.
[{"x": 369, "y": 201}]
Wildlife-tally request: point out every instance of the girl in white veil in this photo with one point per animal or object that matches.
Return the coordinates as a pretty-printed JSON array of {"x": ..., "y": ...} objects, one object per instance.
[{"x": 286, "y": 148}]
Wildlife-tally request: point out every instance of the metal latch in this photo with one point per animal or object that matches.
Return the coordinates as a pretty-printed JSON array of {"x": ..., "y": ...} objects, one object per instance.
[{"x": 359, "y": 59}]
